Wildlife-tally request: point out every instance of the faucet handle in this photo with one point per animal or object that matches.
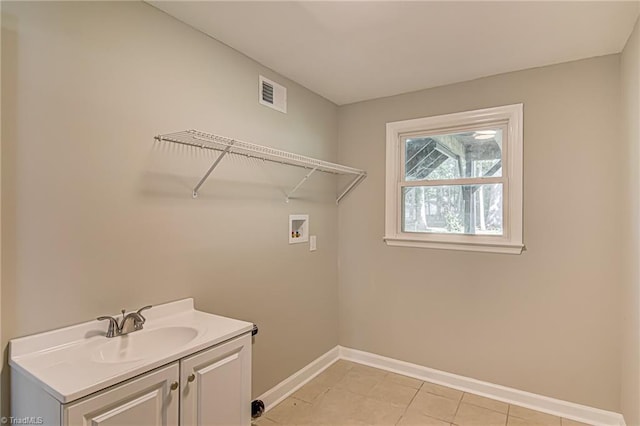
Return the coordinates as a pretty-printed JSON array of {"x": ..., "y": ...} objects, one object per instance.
[
  {"x": 113, "y": 329},
  {"x": 102, "y": 318},
  {"x": 144, "y": 308}
]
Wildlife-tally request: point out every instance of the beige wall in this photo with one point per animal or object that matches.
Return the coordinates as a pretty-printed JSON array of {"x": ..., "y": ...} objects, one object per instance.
[
  {"x": 630, "y": 76},
  {"x": 98, "y": 217},
  {"x": 546, "y": 321}
]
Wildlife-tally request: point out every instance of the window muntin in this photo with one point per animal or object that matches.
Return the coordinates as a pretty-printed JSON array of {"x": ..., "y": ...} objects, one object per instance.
[{"x": 455, "y": 181}]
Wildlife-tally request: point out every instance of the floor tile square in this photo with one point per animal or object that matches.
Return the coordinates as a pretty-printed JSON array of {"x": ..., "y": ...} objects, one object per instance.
[
  {"x": 339, "y": 368},
  {"x": 533, "y": 417},
  {"x": 481, "y": 401},
  {"x": 392, "y": 393},
  {"x": 432, "y": 388},
  {"x": 291, "y": 411},
  {"x": 419, "y": 419},
  {"x": 323, "y": 381},
  {"x": 433, "y": 405},
  {"x": 359, "y": 381},
  {"x": 403, "y": 380},
  {"x": 263, "y": 421},
  {"x": 516, "y": 421},
  {"x": 472, "y": 415},
  {"x": 337, "y": 406},
  {"x": 365, "y": 370},
  {"x": 374, "y": 412}
]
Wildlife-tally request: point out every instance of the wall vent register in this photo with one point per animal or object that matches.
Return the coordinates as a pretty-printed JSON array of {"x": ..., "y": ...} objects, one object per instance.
[{"x": 272, "y": 94}]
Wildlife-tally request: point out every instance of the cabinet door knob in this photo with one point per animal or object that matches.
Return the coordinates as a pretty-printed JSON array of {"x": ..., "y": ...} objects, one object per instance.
[
  {"x": 174, "y": 386},
  {"x": 191, "y": 377}
]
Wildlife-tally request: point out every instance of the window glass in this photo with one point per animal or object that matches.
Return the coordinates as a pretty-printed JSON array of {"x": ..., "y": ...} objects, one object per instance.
[
  {"x": 453, "y": 156},
  {"x": 453, "y": 209}
]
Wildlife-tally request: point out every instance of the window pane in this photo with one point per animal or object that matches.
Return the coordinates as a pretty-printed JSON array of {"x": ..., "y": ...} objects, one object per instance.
[
  {"x": 454, "y": 156},
  {"x": 453, "y": 209}
]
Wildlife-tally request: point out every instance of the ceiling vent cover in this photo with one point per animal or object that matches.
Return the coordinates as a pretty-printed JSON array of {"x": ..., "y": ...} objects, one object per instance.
[{"x": 272, "y": 94}]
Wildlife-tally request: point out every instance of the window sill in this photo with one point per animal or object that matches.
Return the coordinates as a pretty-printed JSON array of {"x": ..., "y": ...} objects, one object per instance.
[{"x": 504, "y": 248}]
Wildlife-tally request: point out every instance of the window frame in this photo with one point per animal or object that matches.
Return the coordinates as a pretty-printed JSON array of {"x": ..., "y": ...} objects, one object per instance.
[{"x": 509, "y": 118}]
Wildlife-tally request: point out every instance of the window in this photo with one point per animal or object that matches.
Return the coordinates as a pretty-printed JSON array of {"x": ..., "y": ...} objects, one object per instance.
[{"x": 455, "y": 181}]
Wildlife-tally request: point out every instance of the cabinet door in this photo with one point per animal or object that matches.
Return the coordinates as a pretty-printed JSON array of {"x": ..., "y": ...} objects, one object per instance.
[
  {"x": 216, "y": 385},
  {"x": 144, "y": 401}
]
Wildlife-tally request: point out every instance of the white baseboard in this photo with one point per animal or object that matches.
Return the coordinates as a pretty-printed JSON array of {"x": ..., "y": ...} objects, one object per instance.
[
  {"x": 556, "y": 407},
  {"x": 282, "y": 390}
]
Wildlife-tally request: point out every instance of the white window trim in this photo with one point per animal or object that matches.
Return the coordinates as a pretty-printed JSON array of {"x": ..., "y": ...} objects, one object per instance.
[{"x": 511, "y": 240}]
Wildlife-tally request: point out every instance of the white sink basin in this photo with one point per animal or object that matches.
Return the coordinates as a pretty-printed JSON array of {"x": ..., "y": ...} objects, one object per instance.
[
  {"x": 73, "y": 362},
  {"x": 143, "y": 344}
]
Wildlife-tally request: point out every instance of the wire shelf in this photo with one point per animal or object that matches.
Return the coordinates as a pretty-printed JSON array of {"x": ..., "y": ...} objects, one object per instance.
[{"x": 227, "y": 145}]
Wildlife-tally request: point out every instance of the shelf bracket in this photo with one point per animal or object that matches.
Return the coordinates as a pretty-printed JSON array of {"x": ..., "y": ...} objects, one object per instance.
[
  {"x": 352, "y": 185},
  {"x": 304, "y": 179},
  {"x": 213, "y": 166}
]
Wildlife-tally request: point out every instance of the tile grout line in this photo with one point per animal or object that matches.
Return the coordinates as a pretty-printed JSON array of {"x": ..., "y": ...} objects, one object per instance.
[
  {"x": 414, "y": 397},
  {"x": 458, "y": 407},
  {"x": 482, "y": 406}
]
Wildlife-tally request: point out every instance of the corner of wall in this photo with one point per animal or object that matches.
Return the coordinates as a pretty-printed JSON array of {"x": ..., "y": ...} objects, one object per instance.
[{"x": 630, "y": 354}]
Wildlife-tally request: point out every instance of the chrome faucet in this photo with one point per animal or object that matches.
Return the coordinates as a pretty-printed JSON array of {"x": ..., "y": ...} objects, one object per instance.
[{"x": 133, "y": 321}]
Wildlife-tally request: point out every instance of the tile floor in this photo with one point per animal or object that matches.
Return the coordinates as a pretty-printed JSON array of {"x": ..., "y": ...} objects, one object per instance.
[{"x": 353, "y": 394}]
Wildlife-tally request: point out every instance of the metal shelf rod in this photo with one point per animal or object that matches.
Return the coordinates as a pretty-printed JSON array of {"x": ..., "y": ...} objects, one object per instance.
[
  {"x": 304, "y": 179},
  {"x": 352, "y": 185},
  {"x": 213, "y": 166},
  {"x": 226, "y": 145}
]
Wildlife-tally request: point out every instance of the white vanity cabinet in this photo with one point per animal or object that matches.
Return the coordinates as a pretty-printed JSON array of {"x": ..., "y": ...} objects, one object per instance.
[
  {"x": 145, "y": 401},
  {"x": 206, "y": 397},
  {"x": 189, "y": 368},
  {"x": 210, "y": 388}
]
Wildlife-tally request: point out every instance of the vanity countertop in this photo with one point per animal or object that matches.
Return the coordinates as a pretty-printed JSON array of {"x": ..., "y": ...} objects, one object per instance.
[{"x": 73, "y": 362}]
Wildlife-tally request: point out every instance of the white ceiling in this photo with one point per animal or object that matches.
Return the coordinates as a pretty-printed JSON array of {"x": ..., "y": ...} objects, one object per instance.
[{"x": 353, "y": 51}]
